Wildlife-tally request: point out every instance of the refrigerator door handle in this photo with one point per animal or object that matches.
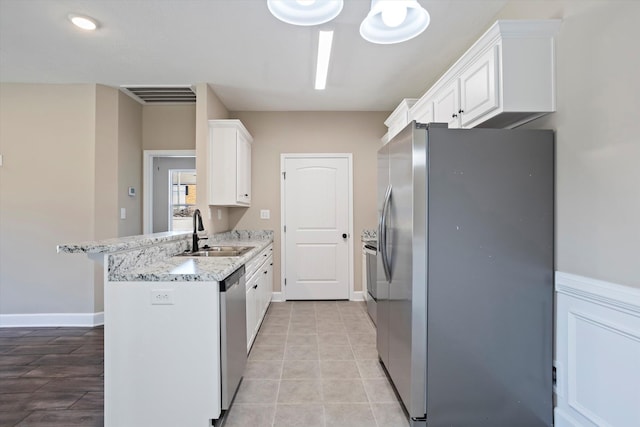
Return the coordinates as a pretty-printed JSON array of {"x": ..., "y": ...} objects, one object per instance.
[{"x": 382, "y": 232}]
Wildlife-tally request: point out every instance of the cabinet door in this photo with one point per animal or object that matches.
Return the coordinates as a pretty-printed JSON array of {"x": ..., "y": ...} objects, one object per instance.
[
  {"x": 479, "y": 87},
  {"x": 422, "y": 112},
  {"x": 243, "y": 159},
  {"x": 268, "y": 288},
  {"x": 251, "y": 312},
  {"x": 446, "y": 105}
]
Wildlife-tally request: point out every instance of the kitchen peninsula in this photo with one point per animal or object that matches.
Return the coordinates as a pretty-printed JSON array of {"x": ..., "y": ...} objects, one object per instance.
[{"x": 165, "y": 331}]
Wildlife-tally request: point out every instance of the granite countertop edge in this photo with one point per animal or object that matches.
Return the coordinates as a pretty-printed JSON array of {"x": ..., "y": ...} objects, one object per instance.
[{"x": 122, "y": 243}]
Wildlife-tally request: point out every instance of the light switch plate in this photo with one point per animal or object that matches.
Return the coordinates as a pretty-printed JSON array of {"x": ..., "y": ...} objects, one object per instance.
[
  {"x": 265, "y": 214},
  {"x": 219, "y": 214},
  {"x": 123, "y": 213}
]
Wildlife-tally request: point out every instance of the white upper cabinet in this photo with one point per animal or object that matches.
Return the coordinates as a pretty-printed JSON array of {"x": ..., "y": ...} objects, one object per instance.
[
  {"x": 479, "y": 93},
  {"x": 399, "y": 118},
  {"x": 422, "y": 111},
  {"x": 446, "y": 105},
  {"x": 505, "y": 79},
  {"x": 229, "y": 163}
]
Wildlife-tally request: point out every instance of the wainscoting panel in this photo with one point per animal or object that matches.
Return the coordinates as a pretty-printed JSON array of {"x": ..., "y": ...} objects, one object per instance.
[{"x": 598, "y": 353}]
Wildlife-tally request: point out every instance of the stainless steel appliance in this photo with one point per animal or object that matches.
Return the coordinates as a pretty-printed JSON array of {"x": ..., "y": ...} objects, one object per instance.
[
  {"x": 233, "y": 334},
  {"x": 370, "y": 251},
  {"x": 465, "y": 274}
]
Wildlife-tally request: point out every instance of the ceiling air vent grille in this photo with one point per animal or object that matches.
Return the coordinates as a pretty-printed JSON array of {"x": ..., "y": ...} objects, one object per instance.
[{"x": 162, "y": 94}]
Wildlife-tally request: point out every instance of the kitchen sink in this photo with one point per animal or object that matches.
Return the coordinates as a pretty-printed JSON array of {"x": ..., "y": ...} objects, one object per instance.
[{"x": 219, "y": 251}]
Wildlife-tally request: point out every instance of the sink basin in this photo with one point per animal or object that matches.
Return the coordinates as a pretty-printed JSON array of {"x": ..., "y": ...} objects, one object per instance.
[{"x": 219, "y": 251}]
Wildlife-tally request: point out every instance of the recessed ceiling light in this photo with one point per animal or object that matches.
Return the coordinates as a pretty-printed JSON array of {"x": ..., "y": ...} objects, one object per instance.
[
  {"x": 85, "y": 22},
  {"x": 305, "y": 12},
  {"x": 325, "y": 40}
]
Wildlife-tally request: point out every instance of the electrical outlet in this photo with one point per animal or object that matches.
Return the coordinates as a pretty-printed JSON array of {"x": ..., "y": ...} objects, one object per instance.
[
  {"x": 265, "y": 214},
  {"x": 219, "y": 214},
  {"x": 162, "y": 296},
  {"x": 123, "y": 213}
]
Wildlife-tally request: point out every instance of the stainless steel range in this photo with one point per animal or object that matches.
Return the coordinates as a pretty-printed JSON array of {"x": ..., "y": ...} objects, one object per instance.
[{"x": 370, "y": 251}]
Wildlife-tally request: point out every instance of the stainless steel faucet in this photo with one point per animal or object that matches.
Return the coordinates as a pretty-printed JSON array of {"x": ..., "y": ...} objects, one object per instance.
[{"x": 195, "y": 238}]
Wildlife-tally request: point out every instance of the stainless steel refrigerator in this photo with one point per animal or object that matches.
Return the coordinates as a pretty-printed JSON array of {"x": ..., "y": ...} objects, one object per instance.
[{"x": 465, "y": 274}]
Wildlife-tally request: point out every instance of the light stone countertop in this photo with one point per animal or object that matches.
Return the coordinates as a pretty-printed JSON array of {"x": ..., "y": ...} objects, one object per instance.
[
  {"x": 369, "y": 235},
  {"x": 194, "y": 269},
  {"x": 152, "y": 257},
  {"x": 122, "y": 243}
]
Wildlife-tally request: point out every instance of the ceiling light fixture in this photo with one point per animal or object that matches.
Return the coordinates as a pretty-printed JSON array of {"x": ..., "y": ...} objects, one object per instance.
[
  {"x": 394, "y": 21},
  {"x": 85, "y": 22},
  {"x": 324, "y": 52},
  {"x": 305, "y": 12}
]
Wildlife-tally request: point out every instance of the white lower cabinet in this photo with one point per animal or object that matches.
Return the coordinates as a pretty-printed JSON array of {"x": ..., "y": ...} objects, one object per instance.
[
  {"x": 162, "y": 354},
  {"x": 259, "y": 287},
  {"x": 251, "y": 310}
]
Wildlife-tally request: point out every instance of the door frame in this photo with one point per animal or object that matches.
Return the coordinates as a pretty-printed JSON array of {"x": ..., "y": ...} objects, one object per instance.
[
  {"x": 147, "y": 182},
  {"x": 283, "y": 252}
]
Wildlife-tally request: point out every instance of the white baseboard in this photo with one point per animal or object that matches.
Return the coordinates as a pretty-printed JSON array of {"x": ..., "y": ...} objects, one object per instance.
[
  {"x": 277, "y": 297},
  {"x": 562, "y": 419},
  {"x": 51, "y": 320},
  {"x": 357, "y": 296}
]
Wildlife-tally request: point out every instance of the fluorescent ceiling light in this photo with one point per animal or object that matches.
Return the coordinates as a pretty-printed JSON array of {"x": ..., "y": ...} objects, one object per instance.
[
  {"x": 324, "y": 52},
  {"x": 394, "y": 21},
  {"x": 305, "y": 12},
  {"x": 84, "y": 22}
]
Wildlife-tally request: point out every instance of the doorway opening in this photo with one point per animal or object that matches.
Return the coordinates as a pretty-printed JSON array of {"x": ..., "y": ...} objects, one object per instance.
[
  {"x": 182, "y": 199},
  {"x": 163, "y": 200}
]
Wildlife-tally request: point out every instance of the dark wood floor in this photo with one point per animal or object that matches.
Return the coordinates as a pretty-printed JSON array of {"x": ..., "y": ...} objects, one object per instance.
[{"x": 51, "y": 377}]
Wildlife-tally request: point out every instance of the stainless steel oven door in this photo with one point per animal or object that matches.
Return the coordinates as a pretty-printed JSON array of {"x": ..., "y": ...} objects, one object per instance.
[{"x": 372, "y": 297}]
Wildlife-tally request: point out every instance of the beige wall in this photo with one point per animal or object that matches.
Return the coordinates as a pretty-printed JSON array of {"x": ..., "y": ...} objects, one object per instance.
[
  {"x": 106, "y": 179},
  {"x": 597, "y": 125},
  {"x": 169, "y": 127},
  {"x": 69, "y": 154},
  {"x": 129, "y": 164},
  {"x": 208, "y": 107},
  {"x": 47, "y": 192},
  {"x": 276, "y": 133}
]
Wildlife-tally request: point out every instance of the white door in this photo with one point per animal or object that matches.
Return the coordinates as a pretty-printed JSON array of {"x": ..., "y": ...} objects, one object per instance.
[{"x": 316, "y": 214}]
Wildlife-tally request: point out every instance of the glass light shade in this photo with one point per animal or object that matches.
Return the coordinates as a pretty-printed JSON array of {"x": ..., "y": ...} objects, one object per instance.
[
  {"x": 384, "y": 24},
  {"x": 305, "y": 12},
  {"x": 84, "y": 22}
]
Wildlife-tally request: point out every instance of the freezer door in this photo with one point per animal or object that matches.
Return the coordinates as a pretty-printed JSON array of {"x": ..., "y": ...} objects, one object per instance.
[
  {"x": 404, "y": 334},
  {"x": 382, "y": 285}
]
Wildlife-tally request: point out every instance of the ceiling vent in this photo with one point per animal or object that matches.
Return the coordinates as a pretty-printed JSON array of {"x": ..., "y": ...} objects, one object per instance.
[{"x": 161, "y": 94}]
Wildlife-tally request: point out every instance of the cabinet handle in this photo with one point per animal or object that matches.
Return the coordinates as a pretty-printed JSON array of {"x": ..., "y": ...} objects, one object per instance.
[
  {"x": 461, "y": 111},
  {"x": 256, "y": 286},
  {"x": 264, "y": 272},
  {"x": 271, "y": 264},
  {"x": 454, "y": 115}
]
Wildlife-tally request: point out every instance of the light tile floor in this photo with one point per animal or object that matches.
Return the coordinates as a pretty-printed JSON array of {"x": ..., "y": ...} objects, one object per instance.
[{"x": 315, "y": 363}]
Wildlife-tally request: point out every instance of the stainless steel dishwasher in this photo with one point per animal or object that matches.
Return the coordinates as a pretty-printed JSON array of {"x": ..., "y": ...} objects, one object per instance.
[{"x": 233, "y": 334}]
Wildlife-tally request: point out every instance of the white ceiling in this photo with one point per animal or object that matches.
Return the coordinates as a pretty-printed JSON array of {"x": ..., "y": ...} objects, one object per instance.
[{"x": 253, "y": 61}]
